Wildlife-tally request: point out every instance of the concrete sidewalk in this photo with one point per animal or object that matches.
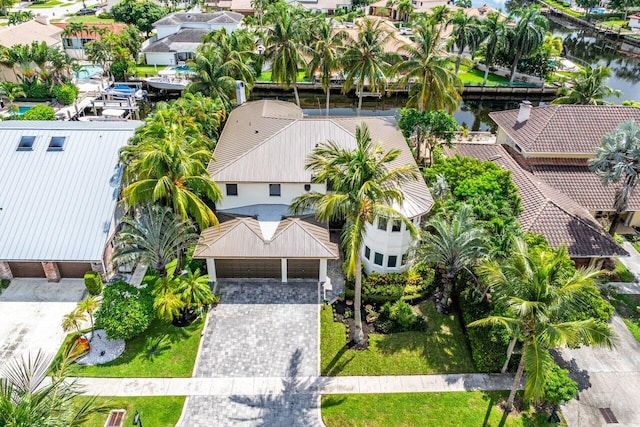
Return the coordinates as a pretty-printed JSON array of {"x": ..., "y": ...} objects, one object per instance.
[{"x": 274, "y": 385}]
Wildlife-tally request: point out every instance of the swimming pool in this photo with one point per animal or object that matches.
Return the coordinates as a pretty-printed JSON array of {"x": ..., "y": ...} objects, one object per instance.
[
  {"x": 182, "y": 69},
  {"x": 88, "y": 71},
  {"x": 22, "y": 110}
]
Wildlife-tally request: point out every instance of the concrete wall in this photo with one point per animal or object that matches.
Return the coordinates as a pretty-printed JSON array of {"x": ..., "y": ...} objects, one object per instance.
[
  {"x": 160, "y": 58},
  {"x": 258, "y": 194}
]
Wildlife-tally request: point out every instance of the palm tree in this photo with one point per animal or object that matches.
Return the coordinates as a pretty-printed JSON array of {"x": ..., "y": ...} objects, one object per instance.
[
  {"x": 167, "y": 301},
  {"x": 194, "y": 289},
  {"x": 73, "y": 320},
  {"x": 587, "y": 87},
  {"x": 5, "y": 5},
  {"x": 365, "y": 61},
  {"x": 405, "y": 9},
  {"x": 527, "y": 35},
  {"x": 495, "y": 36},
  {"x": 88, "y": 306},
  {"x": 617, "y": 160},
  {"x": 536, "y": 293},
  {"x": 29, "y": 397},
  {"x": 211, "y": 76},
  {"x": 467, "y": 33},
  {"x": 453, "y": 245},
  {"x": 235, "y": 51},
  {"x": 434, "y": 84},
  {"x": 208, "y": 114},
  {"x": 10, "y": 91},
  {"x": 326, "y": 49},
  {"x": 364, "y": 187},
  {"x": 285, "y": 45},
  {"x": 155, "y": 236}
]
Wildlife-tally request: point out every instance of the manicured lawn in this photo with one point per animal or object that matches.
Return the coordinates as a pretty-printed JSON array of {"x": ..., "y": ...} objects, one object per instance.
[
  {"x": 442, "y": 349},
  {"x": 627, "y": 307},
  {"x": 175, "y": 354},
  {"x": 473, "y": 77},
  {"x": 157, "y": 411},
  {"x": 623, "y": 273},
  {"x": 265, "y": 76},
  {"x": 148, "y": 70},
  {"x": 46, "y": 5},
  {"x": 565, "y": 9},
  {"x": 90, "y": 19},
  {"x": 422, "y": 409}
]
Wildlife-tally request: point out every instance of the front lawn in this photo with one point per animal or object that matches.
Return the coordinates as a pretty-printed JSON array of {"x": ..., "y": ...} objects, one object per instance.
[
  {"x": 174, "y": 356},
  {"x": 471, "y": 76},
  {"x": 423, "y": 409},
  {"x": 265, "y": 76},
  {"x": 46, "y": 5},
  {"x": 148, "y": 70},
  {"x": 157, "y": 411},
  {"x": 442, "y": 349},
  {"x": 628, "y": 307},
  {"x": 90, "y": 19}
]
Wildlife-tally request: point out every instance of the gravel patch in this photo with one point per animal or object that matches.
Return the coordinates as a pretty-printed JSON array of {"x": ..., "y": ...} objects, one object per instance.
[{"x": 102, "y": 350}]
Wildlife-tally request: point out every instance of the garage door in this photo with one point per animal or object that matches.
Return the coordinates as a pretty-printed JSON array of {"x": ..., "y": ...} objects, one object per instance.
[
  {"x": 248, "y": 268},
  {"x": 27, "y": 269},
  {"x": 303, "y": 268},
  {"x": 73, "y": 269}
]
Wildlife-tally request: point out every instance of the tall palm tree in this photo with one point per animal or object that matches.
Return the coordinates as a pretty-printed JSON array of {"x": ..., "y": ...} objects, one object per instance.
[
  {"x": 405, "y": 9},
  {"x": 234, "y": 50},
  {"x": 326, "y": 50},
  {"x": 88, "y": 306},
  {"x": 366, "y": 62},
  {"x": 536, "y": 293},
  {"x": 467, "y": 33},
  {"x": 617, "y": 160},
  {"x": 208, "y": 113},
  {"x": 434, "y": 84},
  {"x": 527, "y": 35},
  {"x": 364, "y": 187},
  {"x": 10, "y": 91},
  {"x": 31, "y": 397},
  {"x": 453, "y": 245},
  {"x": 5, "y": 5},
  {"x": 587, "y": 87},
  {"x": 495, "y": 34},
  {"x": 212, "y": 77},
  {"x": 285, "y": 45},
  {"x": 155, "y": 236},
  {"x": 73, "y": 320}
]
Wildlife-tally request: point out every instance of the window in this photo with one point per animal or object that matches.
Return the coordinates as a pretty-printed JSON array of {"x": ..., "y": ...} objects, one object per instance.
[
  {"x": 367, "y": 252},
  {"x": 274, "y": 190},
  {"x": 377, "y": 259},
  {"x": 382, "y": 224},
  {"x": 396, "y": 226},
  {"x": 403, "y": 261},
  {"x": 232, "y": 189},
  {"x": 392, "y": 261},
  {"x": 26, "y": 143},
  {"x": 56, "y": 143}
]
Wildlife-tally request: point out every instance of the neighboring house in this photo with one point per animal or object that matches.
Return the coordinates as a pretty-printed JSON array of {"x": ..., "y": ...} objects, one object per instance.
[
  {"x": 634, "y": 22},
  {"x": 556, "y": 142},
  {"x": 390, "y": 9},
  {"x": 178, "y": 35},
  {"x": 260, "y": 167},
  {"x": 548, "y": 212},
  {"x": 37, "y": 30},
  {"x": 74, "y": 44},
  {"x": 59, "y": 187},
  {"x": 246, "y": 8}
]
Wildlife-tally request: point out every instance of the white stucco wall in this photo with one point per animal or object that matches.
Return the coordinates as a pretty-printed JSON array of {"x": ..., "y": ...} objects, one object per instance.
[
  {"x": 258, "y": 194},
  {"x": 163, "y": 31},
  {"x": 160, "y": 58},
  {"x": 388, "y": 243}
]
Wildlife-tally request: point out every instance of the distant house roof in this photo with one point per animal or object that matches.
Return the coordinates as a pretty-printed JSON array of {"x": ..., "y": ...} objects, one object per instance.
[
  {"x": 57, "y": 205},
  {"x": 547, "y": 211},
  {"x": 243, "y": 238},
  {"x": 185, "y": 40},
  {"x": 29, "y": 32},
  {"x": 269, "y": 141},
  {"x": 90, "y": 34},
  {"x": 222, "y": 17},
  {"x": 564, "y": 129}
]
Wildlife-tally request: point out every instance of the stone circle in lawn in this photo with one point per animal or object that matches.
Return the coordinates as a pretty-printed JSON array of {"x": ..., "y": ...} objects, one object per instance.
[{"x": 102, "y": 350}]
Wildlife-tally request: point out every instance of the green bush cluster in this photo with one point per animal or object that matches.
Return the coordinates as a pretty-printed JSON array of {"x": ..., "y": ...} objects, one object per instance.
[
  {"x": 560, "y": 387},
  {"x": 66, "y": 93},
  {"x": 411, "y": 285},
  {"x": 399, "y": 317},
  {"x": 39, "y": 112},
  {"x": 36, "y": 90},
  {"x": 126, "y": 311},
  {"x": 93, "y": 282}
]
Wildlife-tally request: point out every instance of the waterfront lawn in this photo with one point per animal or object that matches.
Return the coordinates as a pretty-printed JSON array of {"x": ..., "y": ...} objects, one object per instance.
[
  {"x": 564, "y": 8},
  {"x": 628, "y": 307},
  {"x": 148, "y": 70},
  {"x": 423, "y": 409},
  {"x": 471, "y": 76},
  {"x": 156, "y": 411},
  {"x": 265, "y": 76},
  {"x": 441, "y": 349},
  {"x": 174, "y": 356},
  {"x": 90, "y": 19}
]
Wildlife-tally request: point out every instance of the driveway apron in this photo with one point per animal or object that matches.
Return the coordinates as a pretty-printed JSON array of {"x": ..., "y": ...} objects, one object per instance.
[{"x": 260, "y": 329}]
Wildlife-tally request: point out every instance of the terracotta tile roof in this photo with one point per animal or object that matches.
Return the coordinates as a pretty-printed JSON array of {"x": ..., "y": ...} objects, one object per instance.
[
  {"x": 89, "y": 34},
  {"x": 566, "y": 129},
  {"x": 545, "y": 210}
]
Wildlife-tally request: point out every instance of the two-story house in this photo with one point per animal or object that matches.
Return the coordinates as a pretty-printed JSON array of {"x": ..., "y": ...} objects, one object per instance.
[
  {"x": 74, "y": 43},
  {"x": 259, "y": 163}
]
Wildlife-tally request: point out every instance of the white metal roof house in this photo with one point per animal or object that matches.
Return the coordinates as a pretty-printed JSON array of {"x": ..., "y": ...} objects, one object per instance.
[
  {"x": 260, "y": 166},
  {"x": 59, "y": 186},
  {"x": 179, "y": 34}
]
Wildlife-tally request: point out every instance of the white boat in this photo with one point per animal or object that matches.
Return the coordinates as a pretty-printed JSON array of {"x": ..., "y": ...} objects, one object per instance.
[
  {"x": 123, "y": 91},
  {"x": 168, "y": 82}
]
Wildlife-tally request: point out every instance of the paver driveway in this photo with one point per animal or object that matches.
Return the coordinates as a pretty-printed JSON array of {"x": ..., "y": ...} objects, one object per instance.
[{"x": 261, "y": 329}]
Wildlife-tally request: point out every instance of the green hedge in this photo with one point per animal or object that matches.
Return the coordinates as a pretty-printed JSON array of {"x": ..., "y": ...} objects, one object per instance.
[
  {"x": 411, "y": 285},
  {"x": 65, "y": 94}
]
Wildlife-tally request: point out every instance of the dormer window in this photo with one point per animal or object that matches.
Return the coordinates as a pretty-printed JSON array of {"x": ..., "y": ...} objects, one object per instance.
[
  {"x": 26, "y": 143},
  {"x": 56, "y": 143}
]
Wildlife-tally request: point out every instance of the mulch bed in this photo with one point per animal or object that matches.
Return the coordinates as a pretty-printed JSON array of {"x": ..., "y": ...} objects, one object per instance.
[{"x": 339, "y": 309}]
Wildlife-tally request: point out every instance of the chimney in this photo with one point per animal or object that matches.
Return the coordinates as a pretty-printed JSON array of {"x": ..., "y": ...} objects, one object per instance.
[
  {"x": 42, "y": 19},
  {"x": 524, "y": 112},
  {"x": 241, "y": 96}
]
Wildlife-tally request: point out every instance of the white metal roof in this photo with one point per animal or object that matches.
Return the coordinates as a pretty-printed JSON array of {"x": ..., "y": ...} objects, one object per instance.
[{"x": 58, "y": 205}]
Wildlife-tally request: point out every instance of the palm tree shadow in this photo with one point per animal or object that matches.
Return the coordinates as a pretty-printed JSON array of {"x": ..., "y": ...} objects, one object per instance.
[
  {"x": 294, "y": 406},
  {"x": 336, "y": 365}
]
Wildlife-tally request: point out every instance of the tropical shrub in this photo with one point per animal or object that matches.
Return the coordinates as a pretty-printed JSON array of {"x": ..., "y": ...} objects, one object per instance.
[
  {"x": 411, "y": 285},
  {"x": 126, "y": 311},
  {"x": 66, "y": 93},
  {"x": 93, "y": 282},
  {"x": 560, "y": 387},
  {"x": 39, "y": 112},
  {"x": 36, "y": 90},
  {"x": 398, "y": 317}
]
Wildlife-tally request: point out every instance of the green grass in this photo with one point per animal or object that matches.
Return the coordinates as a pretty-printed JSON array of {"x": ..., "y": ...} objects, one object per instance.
[
  {"x": 148, "y": 70},
  {"x": 90, "y": 19},
  {"x": 157, "y": 411},
  {"x": 422, "y": 409},
  {"x": 174, "y": 356},
  {"x": 442, "y": 349},
  {"x": 473, "y": 77},
  {"x": 565, "y": 9},
  {"x": 46, "y": 5},
  {"x": 628, "y": 307},
  {"x": 265, "y": 76},
  {"x": 623, "y": 273}
]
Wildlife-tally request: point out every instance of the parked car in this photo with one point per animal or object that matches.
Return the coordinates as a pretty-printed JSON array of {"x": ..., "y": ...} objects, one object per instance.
[{"x": 87, "y": 11}]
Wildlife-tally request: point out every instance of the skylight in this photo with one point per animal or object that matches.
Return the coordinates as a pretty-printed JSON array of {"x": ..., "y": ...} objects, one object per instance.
[
  {"x": 26, "y": 143},
  {"x": 56, "y": 143}
]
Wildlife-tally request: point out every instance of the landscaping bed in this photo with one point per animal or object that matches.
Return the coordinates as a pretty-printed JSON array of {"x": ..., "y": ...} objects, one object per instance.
[
  {"x": 156, "y": 411},
  {"x": 424, "y": 409}
]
